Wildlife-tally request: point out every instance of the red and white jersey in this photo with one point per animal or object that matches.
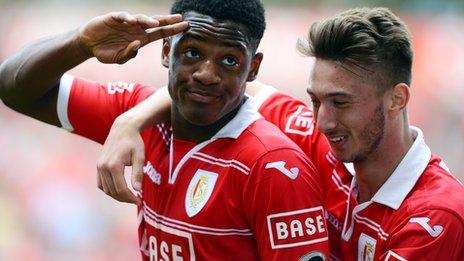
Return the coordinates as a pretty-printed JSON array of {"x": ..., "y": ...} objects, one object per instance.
[
  {"x": 417, "y": 214},
  {"x": 248, "y": 193}
]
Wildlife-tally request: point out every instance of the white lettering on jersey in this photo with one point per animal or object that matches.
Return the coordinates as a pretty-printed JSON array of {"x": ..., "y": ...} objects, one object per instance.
[
  {"x": 164, "y": 250},
  {"x": 166, "y": 243},
  {"x": 301, "y": 122},
  {"x": 297, "y": 228},
  {"x": 120, "y": 87},
  {"x": 280, "y": 165},
  {"x": 424, "y": 222},
  {"x": 366, "y": 248},
  {"x": 199, "y": 191},
  {"x": 152, "y": 173}
]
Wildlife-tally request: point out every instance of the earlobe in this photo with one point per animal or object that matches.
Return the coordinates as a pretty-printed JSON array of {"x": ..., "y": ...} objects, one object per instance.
[
  {"x": 165, "y": 53},
  {"x": 254, "y": 67}
]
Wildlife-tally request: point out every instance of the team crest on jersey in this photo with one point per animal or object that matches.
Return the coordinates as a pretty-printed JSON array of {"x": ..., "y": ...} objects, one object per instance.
[
  {"x": 366, "y": 247},
  {"x": 301, "y": 122},
  {"x": 199, "y": 191}
]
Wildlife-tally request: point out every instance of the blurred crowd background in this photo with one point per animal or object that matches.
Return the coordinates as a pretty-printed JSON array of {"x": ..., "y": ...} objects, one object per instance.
[{"x": 50, "y": 207}]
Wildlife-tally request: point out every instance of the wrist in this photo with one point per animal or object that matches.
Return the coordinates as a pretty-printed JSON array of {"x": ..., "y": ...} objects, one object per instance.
[
  {"x": 78, "y": 43},
  {"x": 129, "y": 120}
]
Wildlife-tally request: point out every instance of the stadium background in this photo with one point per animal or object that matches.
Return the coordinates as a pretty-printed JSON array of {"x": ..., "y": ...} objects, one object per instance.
[{"x": 50, "y": 208}]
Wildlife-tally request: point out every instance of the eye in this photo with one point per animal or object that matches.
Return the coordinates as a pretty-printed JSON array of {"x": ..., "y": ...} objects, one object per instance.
[
  {"x": 192, "y": 54},
  {"x": 340, "y": 104},
  {"x": 229, "y": 61}
]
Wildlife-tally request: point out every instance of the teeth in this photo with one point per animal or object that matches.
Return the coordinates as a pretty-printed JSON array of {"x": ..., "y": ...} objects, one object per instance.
[{"x": 338, "y": 139}]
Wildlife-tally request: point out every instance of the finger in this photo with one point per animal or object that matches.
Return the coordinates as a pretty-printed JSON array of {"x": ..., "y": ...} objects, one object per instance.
[
  {"x": 168, "y": 19},
  {"x": 129, "y": 52},
  {"x": 146, "y": 22},
  {"x": 99, "y": 182},
  {"x": 166, "y": 31},
  {"x": 138, "y": 160},
  {"x": 108, "y": 184},
  {"x": 122, "y": 17},
  {"x": 123, "y": 193}
]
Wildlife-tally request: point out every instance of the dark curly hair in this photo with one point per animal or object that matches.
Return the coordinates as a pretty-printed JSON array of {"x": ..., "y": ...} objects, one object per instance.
[{"x": 248, "y": 13}]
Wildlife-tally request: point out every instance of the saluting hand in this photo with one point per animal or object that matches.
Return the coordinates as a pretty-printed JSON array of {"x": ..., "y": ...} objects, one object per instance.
[{"x": 116, "y": 37}]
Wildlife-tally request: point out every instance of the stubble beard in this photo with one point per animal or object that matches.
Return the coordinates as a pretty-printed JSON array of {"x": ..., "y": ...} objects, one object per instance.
[{"x": 371, "y": 136}]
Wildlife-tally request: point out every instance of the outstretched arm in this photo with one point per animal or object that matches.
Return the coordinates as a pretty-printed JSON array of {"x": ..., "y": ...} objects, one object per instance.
[{"x": 29, "y": 79}]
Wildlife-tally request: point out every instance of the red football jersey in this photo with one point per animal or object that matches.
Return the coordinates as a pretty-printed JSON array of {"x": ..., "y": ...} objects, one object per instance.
[
  {"x": 248, "y": 193},
  {"x": 418, "y": 213}
]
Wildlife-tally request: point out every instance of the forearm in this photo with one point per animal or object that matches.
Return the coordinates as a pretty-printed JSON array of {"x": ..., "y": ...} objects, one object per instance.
[
  {"x": 155, "y": 109},
  {"x": 27, "y": 76}
]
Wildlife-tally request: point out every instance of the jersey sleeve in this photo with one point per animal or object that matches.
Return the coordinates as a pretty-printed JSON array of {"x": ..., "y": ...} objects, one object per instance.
[
  {"x": 89, "y": 109},
  {"x": 283, "y": 203},
  {"x": 296, "y": 120},
  {"x": 434, "y": 234}
]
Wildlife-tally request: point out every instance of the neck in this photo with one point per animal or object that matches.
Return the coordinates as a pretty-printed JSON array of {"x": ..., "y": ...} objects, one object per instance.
[
  {"x": 374, "y": 171},
  {"x": 183, "y": 129}
]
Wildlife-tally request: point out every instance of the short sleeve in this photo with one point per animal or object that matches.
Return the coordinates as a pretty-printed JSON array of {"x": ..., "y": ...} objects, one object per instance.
[
  {"x": 89, "y": 109},
  {"x": 283, "y": 203},
  {"x": 434, "y": 234}
]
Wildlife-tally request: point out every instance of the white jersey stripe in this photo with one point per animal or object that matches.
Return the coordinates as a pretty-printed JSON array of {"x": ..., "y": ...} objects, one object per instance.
[
  {"x": 224, "y": 161},
  {"x": 64, "y": 92},
  {"x": 154, "y": 221},
  {"x": 338, "y": 182},
  {"x": 188, "y": 226},
  {"x": 195, "y": 156}
]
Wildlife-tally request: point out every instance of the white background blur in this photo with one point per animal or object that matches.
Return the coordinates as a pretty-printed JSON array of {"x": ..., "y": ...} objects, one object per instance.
[{"x": 50, "y": 207}]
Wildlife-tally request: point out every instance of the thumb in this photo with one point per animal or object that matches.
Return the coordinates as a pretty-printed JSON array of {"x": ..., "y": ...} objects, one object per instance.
[{"x": 137, "y": 169}]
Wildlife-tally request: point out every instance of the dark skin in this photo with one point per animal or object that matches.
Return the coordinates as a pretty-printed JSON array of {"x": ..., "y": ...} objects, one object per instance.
[
  {"x": 209, "y": 65},
  {"x": 29, "y": 79}
]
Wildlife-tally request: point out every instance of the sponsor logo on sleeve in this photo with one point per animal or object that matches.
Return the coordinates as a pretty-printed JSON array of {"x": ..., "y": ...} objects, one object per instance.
[
  {"x": 119, "y": 87},
  {"x": 424, "y": 222},
  {"x": 280, "y": 166},
  {"x": 199, "y": 191},
  {"x": 297, "y": 228},
  {"x": 366, "y": 248},
  {"x": 152, "y": 173},
  {"x": 300, "y": 122}
]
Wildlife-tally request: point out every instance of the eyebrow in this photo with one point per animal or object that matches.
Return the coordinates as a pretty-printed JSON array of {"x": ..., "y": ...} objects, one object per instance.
[
  {"x": 333, "y": 94},
  {"x": 199, "y": 37}
]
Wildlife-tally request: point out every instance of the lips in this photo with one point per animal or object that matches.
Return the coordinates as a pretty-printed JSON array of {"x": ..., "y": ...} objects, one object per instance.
[
  {"x": 202, "y": 96},
  {"x": 337, "y": 141}
]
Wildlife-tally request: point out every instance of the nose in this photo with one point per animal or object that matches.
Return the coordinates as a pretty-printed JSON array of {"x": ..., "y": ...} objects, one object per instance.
[
  {"x": 325, "y": 119},
  {"x": 207, "y": 73}
]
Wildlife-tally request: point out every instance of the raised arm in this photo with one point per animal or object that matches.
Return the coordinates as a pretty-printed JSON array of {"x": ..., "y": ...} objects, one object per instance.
[{"x": 29, "y": 80}]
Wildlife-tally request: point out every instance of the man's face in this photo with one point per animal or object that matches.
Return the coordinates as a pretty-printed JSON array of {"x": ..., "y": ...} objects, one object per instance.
[
  {"x": 209, "y": 65},
  {"x": 348, "y": 109}
]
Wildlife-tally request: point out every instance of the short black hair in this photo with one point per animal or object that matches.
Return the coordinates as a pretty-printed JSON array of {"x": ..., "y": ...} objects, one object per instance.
[{"x": 249, "y": 13}]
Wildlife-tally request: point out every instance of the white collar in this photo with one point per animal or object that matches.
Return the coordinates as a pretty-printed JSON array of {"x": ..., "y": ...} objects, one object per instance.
[
  {"x": 402, "y": 180},
  {"x": 246, "y": 115}
]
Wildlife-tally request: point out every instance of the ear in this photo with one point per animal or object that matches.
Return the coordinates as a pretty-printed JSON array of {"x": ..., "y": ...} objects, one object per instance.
[
  {"x": 165, "y": 52},
  {"x": 398, "y": 98},
  {"x": 254, "y": 66}
]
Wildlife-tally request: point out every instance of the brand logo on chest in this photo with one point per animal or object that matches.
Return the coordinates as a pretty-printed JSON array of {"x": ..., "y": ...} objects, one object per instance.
[{"x": 199, "y": 191}]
